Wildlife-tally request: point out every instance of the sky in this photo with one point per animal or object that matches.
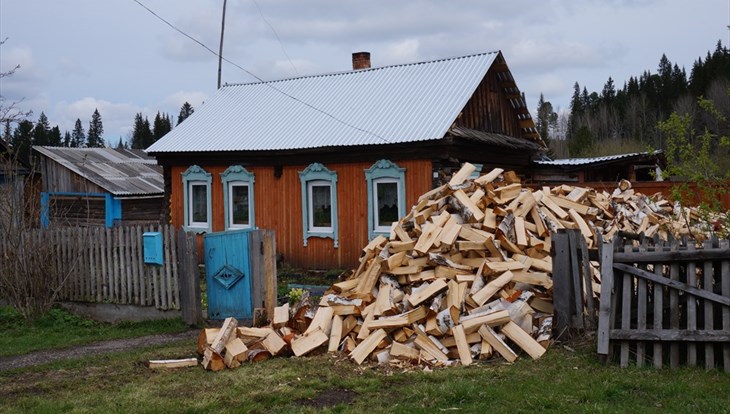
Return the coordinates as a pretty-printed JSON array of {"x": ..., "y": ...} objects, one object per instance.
[{"x": 79, "y": 55}]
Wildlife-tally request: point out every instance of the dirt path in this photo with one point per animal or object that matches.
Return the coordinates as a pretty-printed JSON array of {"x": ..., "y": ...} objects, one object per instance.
[{"x": 96, "y": 348}]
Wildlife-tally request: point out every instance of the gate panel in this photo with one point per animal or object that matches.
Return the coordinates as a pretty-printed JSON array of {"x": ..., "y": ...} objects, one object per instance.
[{"x": 228, "y": 275}]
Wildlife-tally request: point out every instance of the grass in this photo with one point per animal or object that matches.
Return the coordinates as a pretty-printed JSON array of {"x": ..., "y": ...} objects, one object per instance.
[
  {"x": 561, "y": 381},
  {"x": 60, "y": 328}
]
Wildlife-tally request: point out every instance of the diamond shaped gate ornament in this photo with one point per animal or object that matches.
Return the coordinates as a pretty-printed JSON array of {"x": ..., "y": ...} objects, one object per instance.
[{"x": 227, "y": 276}]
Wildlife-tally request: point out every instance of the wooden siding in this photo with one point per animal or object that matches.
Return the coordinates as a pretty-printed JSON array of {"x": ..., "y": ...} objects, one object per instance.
[
  {"x": 278, "y": 206},
  {"x": 57, "y": 178},
  {"x": 489, "y": 109}
]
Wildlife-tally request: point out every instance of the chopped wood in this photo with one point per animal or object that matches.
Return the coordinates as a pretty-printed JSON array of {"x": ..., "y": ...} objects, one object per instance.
[
  {"x": 523, "y": 340},
  {"x": 462, "y": 345},
  {"x": 367, "y": 346},
  {"x": 220, "y": 340},
  {"x": 236, "y": 353},
  {"x": 308, "y": 342},
  {"x": 205, "y": 338},
  {"x": 404, "y": 352},
  {"x": 212, "y": 360},
  {"x": 273, "y": 343},
  {"x": 281, "y": 315},
  {"x": 483, "y": 295},
  {"x": 466, "y": 170},
  {"x": 426, "y": 291},
  {"x": 497, "y": 343}
]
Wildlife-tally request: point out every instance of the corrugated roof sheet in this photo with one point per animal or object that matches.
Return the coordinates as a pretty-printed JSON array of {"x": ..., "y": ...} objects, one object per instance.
[
  {"x": 499, "y": 140},
  {"x": 122, "y": 172},
  {"x": 392, "y": 104},
  {"x": 569, "y": 162}
]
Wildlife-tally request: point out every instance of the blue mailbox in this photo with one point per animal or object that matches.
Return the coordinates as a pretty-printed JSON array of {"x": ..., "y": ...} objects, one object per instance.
[{"x": 152, "y": 243}]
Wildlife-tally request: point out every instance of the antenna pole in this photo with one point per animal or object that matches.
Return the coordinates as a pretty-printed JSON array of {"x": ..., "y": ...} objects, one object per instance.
[{"x": 220, "y": 50}]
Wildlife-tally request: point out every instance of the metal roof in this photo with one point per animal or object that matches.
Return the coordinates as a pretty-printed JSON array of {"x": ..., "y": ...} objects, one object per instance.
[
  {"x": 570, "y": 162},
  {"x": 499, "y": 140},
  {"x": 122, "y": 172},
  {"x": 392, "y": 104}
]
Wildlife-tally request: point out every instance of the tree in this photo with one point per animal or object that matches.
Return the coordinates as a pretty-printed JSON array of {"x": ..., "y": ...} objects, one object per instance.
[
  {"x": 96, "y": 131},
  {"x": 54, "y": 137},
  {"x": 22, "y": 139},
  {"x": 67, "y": 139},
  {"x": 161, "y": 126},
  {"x": 185, "y": 111},
  {"x": 41, "y": 131},
  {"x": 121, "y": 144},
  {"x": 141, "y": 134},
  {"x": 547, "y": 119},
  {"x": 78, "y": 136}
]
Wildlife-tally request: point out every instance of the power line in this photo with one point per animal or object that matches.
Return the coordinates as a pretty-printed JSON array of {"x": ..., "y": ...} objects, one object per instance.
[
  {"x": 277, "y": 36},
  {"x": 323, "y": 112}
]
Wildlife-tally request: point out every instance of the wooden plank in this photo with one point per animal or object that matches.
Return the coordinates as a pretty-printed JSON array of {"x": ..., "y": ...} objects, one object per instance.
[
  {"x": 691, "y": 306},
  {"x": 117, "y": 266},
  {"x": 497, "y": 343},
  {"x": 172, "y": 363},
  {"x": 172, "y": 247},
  {"x": 486, "y": 293},
  {"x": 671, "y": 335},
  {"x": 523, "y": 340},
  {"x": 725, "y": 290},
  {"x": 335, "y": 333},
  {"x": 676, "y": 284},
  {"x": 626, "y": 294},
  {"x": 224, "y": 335},
  {"x": 461, "y": 345},
  {"x": 673, "y": 256},
  {"x": 109, "y": 255},
  {"x": 257, "y": 283},
  {"x": 641, "y": 310},
  {"x": 577, "y": 286},
  {"x": 143, "y": 290},
  {"x": 471, "y": 209},
  {"x": 658, "y": 321},
  {"x": 587, "y": 283},
  {"x": 427, "y": 292},
  {"x": 562, "y": 291},
  {"x": 309, "y": 342},
  {"x": 707, "y": 285},
  {"x": 270, "y": 270},
  {"x": 366, "y": 347}
]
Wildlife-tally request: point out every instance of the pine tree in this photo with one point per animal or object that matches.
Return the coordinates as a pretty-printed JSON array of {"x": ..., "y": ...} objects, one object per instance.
[
  {"x": 185, "y": 111},
  {"x": 96, "y": 131},
  {"x": 161, "y": 126},
  {"x": 121, "y": 144},
  {"x": 141, "y": 134},
  {"x": 78, "y": 136},
  {"x": 41, "y": 130},
  {"x": 54, "y": 137},
  {"x": 547, "y": 119},
  {"x": 67, "y": 139},
  {"x": 22, "y": 139}
]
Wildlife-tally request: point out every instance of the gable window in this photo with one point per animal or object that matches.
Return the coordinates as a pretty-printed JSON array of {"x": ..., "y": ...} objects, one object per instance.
[
  {"x": 386, "y": 196},
  {"x": 196, "y": 194},
  {"x": 319, "y": 203},
  {"x": 238, "y": 198}
]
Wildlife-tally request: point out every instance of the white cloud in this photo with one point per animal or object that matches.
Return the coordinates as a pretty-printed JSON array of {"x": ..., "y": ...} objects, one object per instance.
[
  {"x": 546, "y": 55},
  {"x": 404, "y": 51},
  {"x": 177, "y": 99}
]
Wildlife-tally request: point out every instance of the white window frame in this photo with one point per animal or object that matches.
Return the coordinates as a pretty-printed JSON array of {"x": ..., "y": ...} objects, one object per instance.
[
  {"x": 310, "y": 207},
  {"x": 191, "y": 177},
  {"x": 376, "y": 213},
  {"x": 236, "y": 175},
  {"x": 381, "y": 171}
]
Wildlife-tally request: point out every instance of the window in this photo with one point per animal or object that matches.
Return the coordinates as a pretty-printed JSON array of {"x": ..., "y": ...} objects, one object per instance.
[
  {"x": 386, "y": 196},
  {"x": 196, "y": 194},
  {"x": 238, "y": 198},
  {"x": 319, "y": 203}
]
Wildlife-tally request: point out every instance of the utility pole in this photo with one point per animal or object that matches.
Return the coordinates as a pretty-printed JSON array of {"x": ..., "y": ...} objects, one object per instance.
[{"x": 220, "y": 50}]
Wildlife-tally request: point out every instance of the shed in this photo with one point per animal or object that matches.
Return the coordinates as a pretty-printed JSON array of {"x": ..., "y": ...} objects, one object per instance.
[
  {"x": 637, "y": 166},
  {"x": 329, "y": 161},
  {"x": 99, "y": 186}
]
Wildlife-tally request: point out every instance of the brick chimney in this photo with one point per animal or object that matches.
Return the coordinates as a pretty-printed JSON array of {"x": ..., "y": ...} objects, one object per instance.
[{"x": 360, "y": 60}]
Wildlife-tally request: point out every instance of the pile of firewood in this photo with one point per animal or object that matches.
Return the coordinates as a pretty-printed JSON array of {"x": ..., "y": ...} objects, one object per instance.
[{"x": 466, "y": 274}]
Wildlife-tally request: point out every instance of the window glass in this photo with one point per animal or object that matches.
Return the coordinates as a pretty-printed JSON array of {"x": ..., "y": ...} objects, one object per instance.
[
  {"x": 239, "y": 208},
  {"x": 321, "y": 205},
  {"x": 386, "y": 203},
  {"x": 199, "y": 201}
]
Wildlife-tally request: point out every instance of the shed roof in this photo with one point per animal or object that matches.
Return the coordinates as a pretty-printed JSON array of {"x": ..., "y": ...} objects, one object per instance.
[
  {"x": 122, "y": 172},
  {"x": 581, "y": 162},
  {"x": 391, "y": 104}
]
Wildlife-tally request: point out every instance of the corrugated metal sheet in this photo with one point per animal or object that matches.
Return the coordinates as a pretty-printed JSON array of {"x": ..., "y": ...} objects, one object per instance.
[
  {"x": 392, "y": 104},
  {"x": 567, "y": 162},
  {"x": 121, "y": 172},
  {"x": 499, "y": 140}
]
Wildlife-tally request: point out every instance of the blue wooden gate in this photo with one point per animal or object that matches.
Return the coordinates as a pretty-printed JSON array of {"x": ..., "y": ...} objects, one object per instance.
[{"x": 228, "y": 274}]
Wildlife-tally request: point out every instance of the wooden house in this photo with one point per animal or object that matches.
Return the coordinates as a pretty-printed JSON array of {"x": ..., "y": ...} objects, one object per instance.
[
  {"x": 329, "y": 161},
  {"x": 99, "y": 186},
  {"x": 638, "y": 166}
]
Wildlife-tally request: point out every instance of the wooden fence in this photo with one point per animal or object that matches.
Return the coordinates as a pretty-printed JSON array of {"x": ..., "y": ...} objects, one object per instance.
[
  {"x": 665, "y": 304},
  {"x": 107, "y": 266}
]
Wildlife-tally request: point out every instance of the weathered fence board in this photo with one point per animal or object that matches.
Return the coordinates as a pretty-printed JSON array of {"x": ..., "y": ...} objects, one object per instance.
[
  {"x": 107, "y": 265},
  {"x": 681, "y": 290}
]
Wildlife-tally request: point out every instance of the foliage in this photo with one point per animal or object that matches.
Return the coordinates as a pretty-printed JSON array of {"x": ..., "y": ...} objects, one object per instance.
[
  {"x": 141, "y": 133},
  {"x": 185, "y": 111},
  {"x": 78, "y": 135},
  {"x": 59, "y": 328},
  {"x": 161, "y": 126},
  {"x": 696, "y": 158},
  {"x": 295, "y": 295}
]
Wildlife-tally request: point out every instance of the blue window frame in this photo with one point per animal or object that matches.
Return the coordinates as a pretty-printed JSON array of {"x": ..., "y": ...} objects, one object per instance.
[
  {"x": 238, "y": 198},
  {"x": 386, "y": 196},
  {"x": 319, "y": 203},
  {"x": 196, "y": 199}
]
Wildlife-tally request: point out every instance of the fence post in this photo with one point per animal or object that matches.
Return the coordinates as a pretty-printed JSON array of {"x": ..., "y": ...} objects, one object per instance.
[
  {"x": 604, "y": 311},
  {"x": 189, "y": 278},
  {"x": 562, "y": 291}
]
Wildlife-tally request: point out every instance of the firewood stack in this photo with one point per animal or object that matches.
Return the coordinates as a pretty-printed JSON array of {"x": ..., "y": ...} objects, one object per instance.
[{"x": 465, "y": 275}]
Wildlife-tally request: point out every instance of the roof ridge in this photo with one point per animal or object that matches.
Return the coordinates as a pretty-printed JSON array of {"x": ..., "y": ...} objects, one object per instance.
[{"x": 349, "y": 72}]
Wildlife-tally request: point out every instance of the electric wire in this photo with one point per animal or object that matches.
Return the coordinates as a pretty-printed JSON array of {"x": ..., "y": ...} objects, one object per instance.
[
  {"x": 261, "y": 13},
  {"x": 323, "y": 112}
]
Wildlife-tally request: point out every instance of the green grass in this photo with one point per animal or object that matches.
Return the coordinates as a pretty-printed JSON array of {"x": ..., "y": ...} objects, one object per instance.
[
  {"x": 561, "y": 381},
  {"x": 60, "y": 329}
]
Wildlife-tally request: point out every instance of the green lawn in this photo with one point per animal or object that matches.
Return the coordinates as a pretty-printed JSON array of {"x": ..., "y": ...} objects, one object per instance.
[
  {"x": 561, "y": 381},
  {"x": 60, "y": 329}
]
